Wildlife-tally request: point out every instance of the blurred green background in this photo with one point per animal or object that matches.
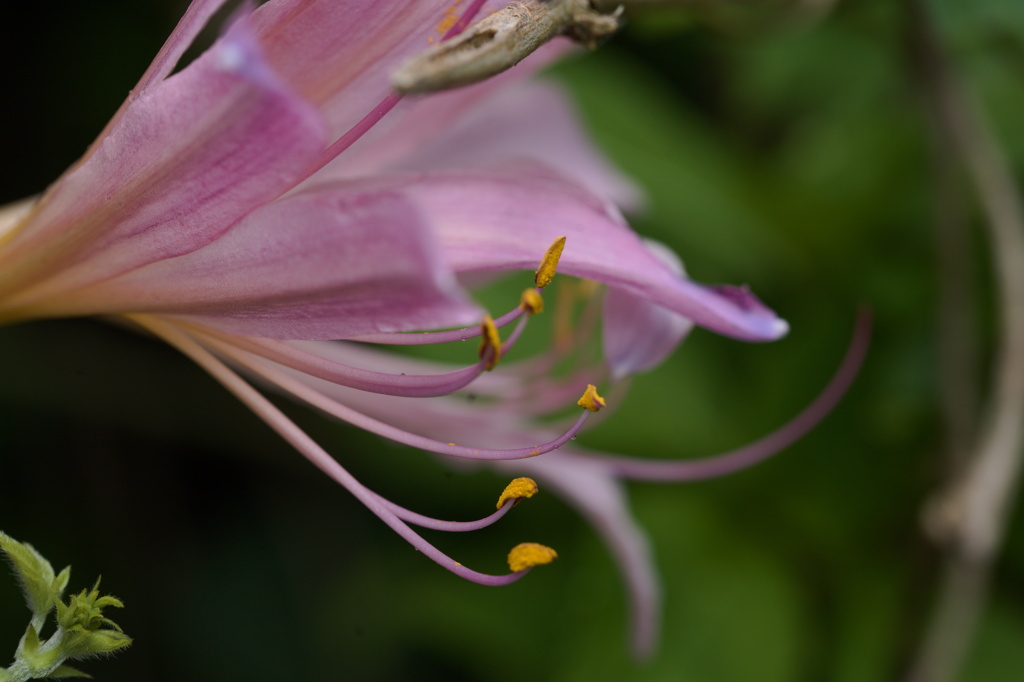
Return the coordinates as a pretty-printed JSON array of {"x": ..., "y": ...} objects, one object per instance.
[{"x": 780, "y": 146}]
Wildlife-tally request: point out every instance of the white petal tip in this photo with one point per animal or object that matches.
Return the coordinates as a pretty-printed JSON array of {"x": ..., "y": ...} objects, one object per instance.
[{"x": 780, "y": 328}]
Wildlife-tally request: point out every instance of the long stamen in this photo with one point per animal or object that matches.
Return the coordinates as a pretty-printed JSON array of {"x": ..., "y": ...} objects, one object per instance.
[
  {"x": 516, "y": 491},
  {"x": 447, "y": 336},
  {"x": 741, "y": 458},
  {"x": 298, "y": 439},
  {"x": 317, "y": 399},
  {"x": 531, "y": 302},
  {"x": 410, "y": 386},
  {"x": 450, "y": 526}
]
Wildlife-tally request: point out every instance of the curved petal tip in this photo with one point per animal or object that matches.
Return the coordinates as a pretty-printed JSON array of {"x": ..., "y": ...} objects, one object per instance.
[{"x": 758, "y": 320}]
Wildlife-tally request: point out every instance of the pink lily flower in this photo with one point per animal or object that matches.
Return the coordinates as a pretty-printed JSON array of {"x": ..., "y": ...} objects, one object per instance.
[{"x": 250, "y": 210}]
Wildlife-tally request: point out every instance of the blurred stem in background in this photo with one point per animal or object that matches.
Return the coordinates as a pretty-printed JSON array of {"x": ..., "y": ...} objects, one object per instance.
[{"x": 968, "y": 517}]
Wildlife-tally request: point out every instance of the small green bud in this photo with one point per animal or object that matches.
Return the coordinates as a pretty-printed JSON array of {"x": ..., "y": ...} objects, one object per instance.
[{"x": 83, "y": 622}]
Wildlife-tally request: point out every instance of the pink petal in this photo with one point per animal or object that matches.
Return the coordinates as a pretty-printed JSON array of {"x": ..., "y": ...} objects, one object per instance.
[
  {"x": 192, "y": 22},
  {"x": 14, "y": 215},
  {"x": 637, "y": 334},
  {"x": 185, "y": 160},
  {"x": 196, "y": 17},
  {"x": 323, "y": 264},
  {"x": 505, "y": 218},
  {"x": 340, "y": 53},
  {"x": 506, "y": 119}
]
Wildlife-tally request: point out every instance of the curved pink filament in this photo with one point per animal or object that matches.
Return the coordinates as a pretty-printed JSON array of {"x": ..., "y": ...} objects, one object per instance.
[
  {"x": 310, "y": 395},
  {"x": 450, "y": 526},
  {"x": 748, "y": 455},
  {"x": 298, "y": 439},
  {"x": 405, "y": 385},
  {"x": 426, "y": 338}
]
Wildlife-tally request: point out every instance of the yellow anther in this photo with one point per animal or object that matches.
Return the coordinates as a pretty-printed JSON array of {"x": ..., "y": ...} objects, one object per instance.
[
  {"x": 591, "y": 400},
  {"x": 517, "y": 490},
  {"x": 532, "y": 302},
  {"x": 548, "y": 265},
  {"x": 529, "y": 554},
  {"x": 490, "y": 343}
]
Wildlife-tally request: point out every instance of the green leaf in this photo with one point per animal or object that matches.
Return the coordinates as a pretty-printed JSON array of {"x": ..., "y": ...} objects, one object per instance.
[
  {"x": 84, "y": 643},
  {"x": 30, "y": 644},
  {"x": 30, "y": 654},
  {"x": 61, "y": 581},
  {"x": 35, "y": 575}
]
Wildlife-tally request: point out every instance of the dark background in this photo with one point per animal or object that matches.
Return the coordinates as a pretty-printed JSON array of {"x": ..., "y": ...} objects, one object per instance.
[{"x": 779, "y": 145}]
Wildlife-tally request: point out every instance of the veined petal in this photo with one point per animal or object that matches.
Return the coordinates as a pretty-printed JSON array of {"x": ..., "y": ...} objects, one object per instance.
[
  {"x": 340, "y": 53},
  {"x": 324, "y": 264},
  {"x": 185, "y": 160},
  {"x": 502, "y": 218},
  {"x": 192, "y": 22},
  {"x": 637, "y": 334},
  {"x": 197, "y": 15},
  {"x": 503, "y": 119}
]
